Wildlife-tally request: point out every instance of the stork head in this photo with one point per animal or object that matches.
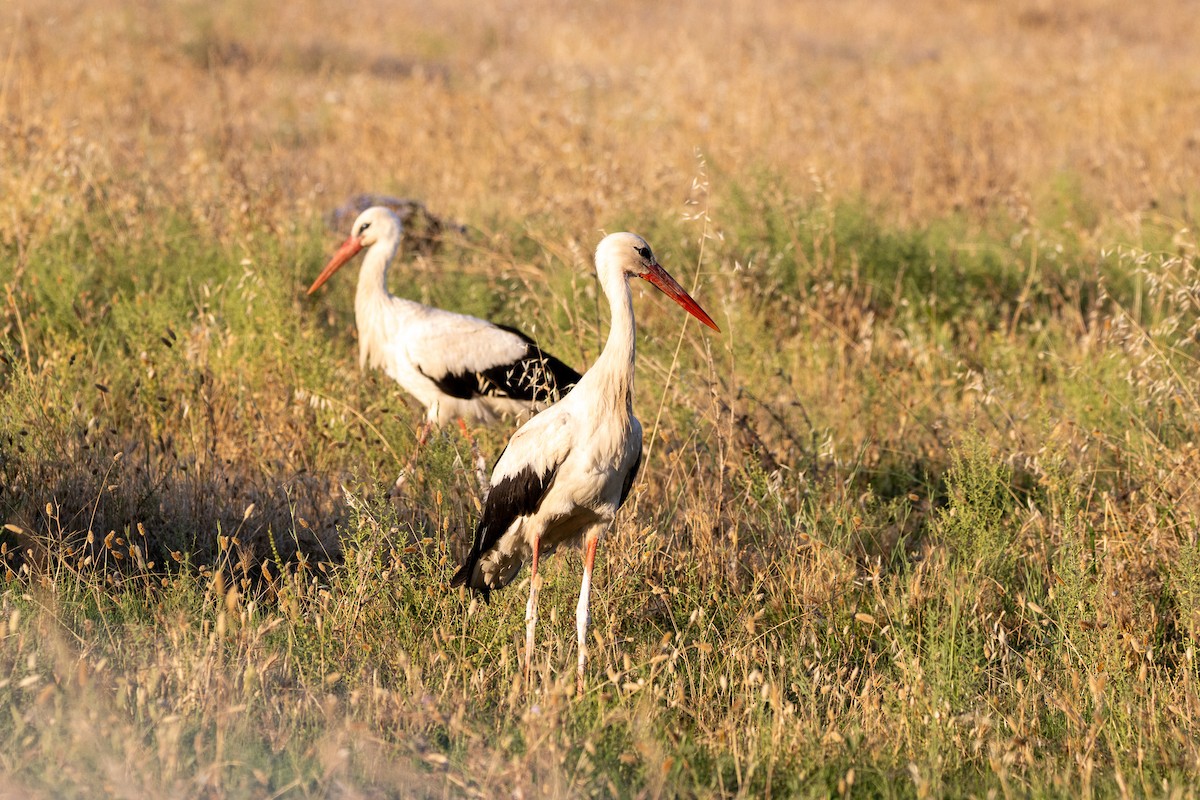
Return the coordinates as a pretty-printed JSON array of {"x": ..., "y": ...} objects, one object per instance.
[
  {"x": 632, "y": 256},
  {"x": 376, "y": 224}
]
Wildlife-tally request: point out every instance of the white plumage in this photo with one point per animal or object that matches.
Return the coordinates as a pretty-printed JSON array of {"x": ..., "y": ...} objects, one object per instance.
[
  {"x": 456, "y": 366},
  {"x": 565, "y": 472}
]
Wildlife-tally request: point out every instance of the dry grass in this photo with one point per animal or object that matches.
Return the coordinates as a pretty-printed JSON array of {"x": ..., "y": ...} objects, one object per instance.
[
  {"x": 922, "y": 522},
  {"x": 253, "y": 116}
]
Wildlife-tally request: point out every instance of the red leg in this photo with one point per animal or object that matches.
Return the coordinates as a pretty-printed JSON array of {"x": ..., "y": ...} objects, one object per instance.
[
  {"x": 480, "y": 465},
  {"x": 582, "y": 615},
  {"x": 531, "y": 607}
]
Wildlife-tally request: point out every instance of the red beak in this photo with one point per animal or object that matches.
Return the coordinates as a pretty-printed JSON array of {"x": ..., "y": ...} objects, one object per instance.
[
  {"x": 671, "y": 288},
  {"x": 347, "y": 251}
]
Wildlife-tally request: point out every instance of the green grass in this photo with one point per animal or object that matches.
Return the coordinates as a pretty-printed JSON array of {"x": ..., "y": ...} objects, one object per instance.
[
  {"x": 894, "y": 538},
  {"x": 956, "y": 270}
]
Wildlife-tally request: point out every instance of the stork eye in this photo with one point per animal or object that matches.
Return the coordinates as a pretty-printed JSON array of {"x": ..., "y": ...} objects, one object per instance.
[
  {"x": 364, "y": 227},
  {"x": 644, "y": 252}
]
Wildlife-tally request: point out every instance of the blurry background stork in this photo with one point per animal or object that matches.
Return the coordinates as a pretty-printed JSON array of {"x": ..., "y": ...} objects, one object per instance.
[{"x": 456, "y": 366}]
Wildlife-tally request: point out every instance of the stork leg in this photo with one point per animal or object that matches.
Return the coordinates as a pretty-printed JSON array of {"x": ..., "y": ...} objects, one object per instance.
[
  {"x": 582, "y": 617},
  {"x": 480, "y": 465},
  {"x": 535, "y": 583}
]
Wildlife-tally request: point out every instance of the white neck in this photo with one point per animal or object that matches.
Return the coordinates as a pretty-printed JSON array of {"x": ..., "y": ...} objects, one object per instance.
[
  {"x": 373, "y": 304},
  {"x": 613, "y": 371},
  {"x": 372, "y": 275}
]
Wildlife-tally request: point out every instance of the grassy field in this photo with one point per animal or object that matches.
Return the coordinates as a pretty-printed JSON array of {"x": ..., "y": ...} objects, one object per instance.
[{"x": 921, "y": 522}]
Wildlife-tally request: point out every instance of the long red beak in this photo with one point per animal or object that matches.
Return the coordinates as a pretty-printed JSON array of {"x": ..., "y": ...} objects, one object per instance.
[
  {"x": 347, "y": 251},
  {"x": 671, "y": 288}
]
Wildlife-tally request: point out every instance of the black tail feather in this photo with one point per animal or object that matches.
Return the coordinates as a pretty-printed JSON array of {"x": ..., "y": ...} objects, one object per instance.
[
  {"x": 466, "y": 571},
  {"x": 513, "y": 496}
]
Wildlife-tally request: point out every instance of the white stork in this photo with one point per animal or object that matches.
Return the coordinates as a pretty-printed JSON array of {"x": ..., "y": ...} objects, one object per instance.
[
  {"x": 567, "y": 470},
  {"x": 456, "y": 366}
]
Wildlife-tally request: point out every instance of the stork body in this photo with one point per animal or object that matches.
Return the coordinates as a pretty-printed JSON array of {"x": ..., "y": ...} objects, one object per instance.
[
  {"x": 566, "y": 471},
  {"x": 456, "y": 366}
]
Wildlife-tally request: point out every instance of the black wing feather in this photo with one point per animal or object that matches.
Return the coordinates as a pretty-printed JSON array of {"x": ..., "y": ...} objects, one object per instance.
[
  {"x": 536, "y": 376},
  {"x": 515, "y": 496},
  {"x": 456, "y": 384},
  {"x": 629, "y": 479}
]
